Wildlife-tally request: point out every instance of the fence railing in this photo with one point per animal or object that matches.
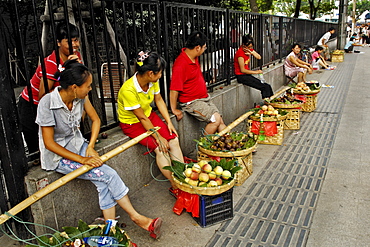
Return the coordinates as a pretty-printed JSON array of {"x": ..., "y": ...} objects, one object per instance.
[{"x": 114, "y": 31}]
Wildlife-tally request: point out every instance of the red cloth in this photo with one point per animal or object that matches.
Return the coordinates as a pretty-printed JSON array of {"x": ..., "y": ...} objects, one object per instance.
[
  {"x": 301, "y": 97},
  {"x": 187, "y": 201},
  {"x": 270, "y": 128},
  {"x": 241, "y": 53},
  {"x": 134, "y": 130},
  {"x": 187, "y": 79}
]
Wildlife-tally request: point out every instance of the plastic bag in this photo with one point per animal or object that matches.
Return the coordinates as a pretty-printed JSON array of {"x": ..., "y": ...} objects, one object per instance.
[
  {"x": 187, "y": 201},
  {"x": 270, "y": 128}
]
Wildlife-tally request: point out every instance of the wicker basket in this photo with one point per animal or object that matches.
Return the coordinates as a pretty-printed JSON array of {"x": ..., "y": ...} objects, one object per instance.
[
  {"x": 268, "y": 119},
  {"x": 286, "y": 106},
  {"x": 337, "y": 58},
  {"x": 306, "y": 92},
  {"x": 208, "y": 191},
  {"x": 310, "y": 104},
  {"x": 243, "y": 157},
  {"x": 273, "y": 140},
  {"x": 292, "y": 121}
]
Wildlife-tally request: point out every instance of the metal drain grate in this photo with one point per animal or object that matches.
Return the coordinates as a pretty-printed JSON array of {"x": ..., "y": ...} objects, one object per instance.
[{"x": 278, "y": 207}]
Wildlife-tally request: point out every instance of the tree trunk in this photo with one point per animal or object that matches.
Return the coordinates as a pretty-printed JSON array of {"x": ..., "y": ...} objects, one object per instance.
[
  {"x": 254, "y": 6},
  {"x": 297, "y": 8}
]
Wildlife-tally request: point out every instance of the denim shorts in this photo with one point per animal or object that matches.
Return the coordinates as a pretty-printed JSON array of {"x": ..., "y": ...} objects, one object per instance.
[{"x": 108, "y": 183}]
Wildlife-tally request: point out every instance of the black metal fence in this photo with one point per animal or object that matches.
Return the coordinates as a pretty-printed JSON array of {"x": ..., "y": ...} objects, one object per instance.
[{"x": 113, "y": 32}]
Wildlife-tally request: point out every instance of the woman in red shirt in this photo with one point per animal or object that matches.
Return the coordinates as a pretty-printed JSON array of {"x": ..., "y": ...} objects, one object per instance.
[{"x": 243, "y": 73}]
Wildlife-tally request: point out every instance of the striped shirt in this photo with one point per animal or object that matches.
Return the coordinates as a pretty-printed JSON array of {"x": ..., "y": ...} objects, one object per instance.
[{"x": 50, "y": 68}]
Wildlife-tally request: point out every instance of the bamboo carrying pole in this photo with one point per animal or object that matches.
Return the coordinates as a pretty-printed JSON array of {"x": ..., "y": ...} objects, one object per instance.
[
  {"x": 232, "y": 125},
  {"x": 70, "y": 176}
]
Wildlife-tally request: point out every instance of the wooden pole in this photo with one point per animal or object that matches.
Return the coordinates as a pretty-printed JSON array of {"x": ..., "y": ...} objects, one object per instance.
[
  {"x": 70, "y": 176},
  {"x": 232, "y": 125}
]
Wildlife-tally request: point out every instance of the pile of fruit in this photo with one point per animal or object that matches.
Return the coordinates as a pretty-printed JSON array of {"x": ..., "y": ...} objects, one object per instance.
[
  {"x": 338, "y": 52},
  {"x": 305, "y": 87},
  {"x": 287, "y": 99},
  {"x": 205, "y": 173},
  {"x": 230, "y": 142},
  {"x": 268, "y": 111}
]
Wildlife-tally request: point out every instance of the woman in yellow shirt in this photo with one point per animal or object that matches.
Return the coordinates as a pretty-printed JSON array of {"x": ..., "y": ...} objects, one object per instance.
[{"x": 136, "y": 116}]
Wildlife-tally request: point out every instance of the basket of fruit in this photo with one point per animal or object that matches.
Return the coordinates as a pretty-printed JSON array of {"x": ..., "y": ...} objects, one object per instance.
[
  {"x": 267, "y": 128},
  {"x": 204, "y": 177},
  {"x": 337, "y": 56},
  {"x": 311, "y": 87},
  {"x": 235, "y": 146},
  {"x": 86, "y": 235},
  {"x": 293, "y": 106},
  {"x": 268, "y": 113},
  {"x": 310, "y": 103},
  {"x": 286, "y": 101}
]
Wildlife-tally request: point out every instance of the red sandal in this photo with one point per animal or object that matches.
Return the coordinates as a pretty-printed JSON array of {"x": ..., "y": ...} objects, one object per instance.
[{"x": 155, "y": 228}]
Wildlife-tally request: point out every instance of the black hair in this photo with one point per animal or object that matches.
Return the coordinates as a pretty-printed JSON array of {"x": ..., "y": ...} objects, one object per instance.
[
  {"x": 354, "y": 34},
  {"x": 247, "y": 40},
  {"x": 61, "y": 31},
  {"x": 351, "y": 39},
  {"x": 331, "y": 29},
  {"x": 296, "y": 44},
  {"x": 319, "y": 48},
  {"x": 196, "y": 38},
  {"x": 72, "y": 73},
  {"x": 151, "y": 62}
]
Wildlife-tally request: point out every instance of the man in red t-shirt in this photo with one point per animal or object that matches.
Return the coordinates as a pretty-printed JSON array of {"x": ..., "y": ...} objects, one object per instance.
[{"x": 188, "y": 86}]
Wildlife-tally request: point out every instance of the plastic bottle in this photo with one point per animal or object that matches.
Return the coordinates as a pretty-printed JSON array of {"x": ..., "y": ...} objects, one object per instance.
[
  {"x": 98, "y": 241},
  {"x": 262, "y": 78},
  {"x": 261, "y": 135}
]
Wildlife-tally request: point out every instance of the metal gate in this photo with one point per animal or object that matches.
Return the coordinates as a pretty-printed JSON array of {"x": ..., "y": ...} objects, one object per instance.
[{"x": 12, "y": 154}]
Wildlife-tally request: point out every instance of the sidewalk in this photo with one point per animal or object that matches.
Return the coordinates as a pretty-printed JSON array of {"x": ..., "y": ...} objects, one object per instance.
[{"x": 310, "y": 191}]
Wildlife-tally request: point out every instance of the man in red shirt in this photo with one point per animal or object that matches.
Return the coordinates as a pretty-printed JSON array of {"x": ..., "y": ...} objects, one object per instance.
[{"x": 188, "y": 86}]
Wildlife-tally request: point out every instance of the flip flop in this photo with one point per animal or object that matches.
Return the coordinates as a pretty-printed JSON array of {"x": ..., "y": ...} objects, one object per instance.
[{"x": 155, "y": 228}]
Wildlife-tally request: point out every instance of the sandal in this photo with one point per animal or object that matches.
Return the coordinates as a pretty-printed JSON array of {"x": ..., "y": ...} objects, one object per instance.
[
  {"x": 173, "y": 192},
  {"x": 155, "y": 228}
]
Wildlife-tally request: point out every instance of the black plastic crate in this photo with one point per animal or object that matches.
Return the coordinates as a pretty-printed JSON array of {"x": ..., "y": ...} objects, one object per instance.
[{"x": 214, "y": 209}]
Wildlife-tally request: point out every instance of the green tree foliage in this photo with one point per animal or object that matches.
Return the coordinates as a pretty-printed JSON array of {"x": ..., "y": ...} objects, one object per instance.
[
  {"x": 317, "y": 8},
  {"x": 286, "y": 7},
  {"x": 314, "y": 8},
  {"x": 361, "y": 6},
  {"x": 262, "y": 5}
]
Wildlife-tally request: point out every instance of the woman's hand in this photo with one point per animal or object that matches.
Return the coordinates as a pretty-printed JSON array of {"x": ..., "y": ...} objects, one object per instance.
[
  {"x": 92, "y": 161},
  {"x": 247, "y": 51},
  {"x": 258, "y": 71},
  {"x": 171, "y": 128},
  {"x": 90, "y": 152},
  {"x": 162, "y": 144}
]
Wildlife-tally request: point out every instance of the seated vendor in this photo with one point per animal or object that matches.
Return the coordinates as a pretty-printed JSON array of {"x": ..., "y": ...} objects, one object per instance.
[
  {"x": 318, "y": 60},
  {"x": 294, "y": 66},
  {"x": 348, "y": 48}
]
